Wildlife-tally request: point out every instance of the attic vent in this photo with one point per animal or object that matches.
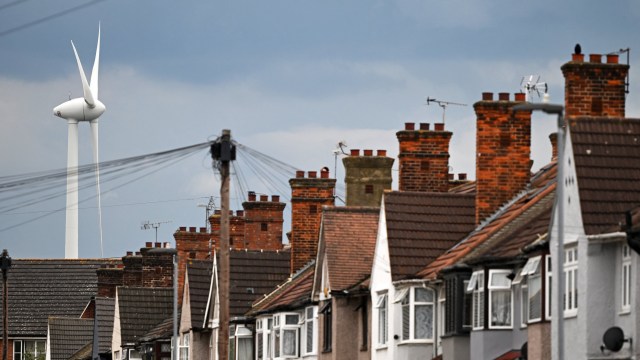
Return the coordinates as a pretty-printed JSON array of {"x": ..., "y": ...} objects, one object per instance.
[
  {"x": 264, "y": 226},
  {"x": 368, "y": 189}
]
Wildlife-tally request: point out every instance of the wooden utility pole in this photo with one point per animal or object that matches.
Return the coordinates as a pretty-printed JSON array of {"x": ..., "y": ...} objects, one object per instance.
[
  {"x": 5, "y": 265},
  {"x": 223, "y": 152}
]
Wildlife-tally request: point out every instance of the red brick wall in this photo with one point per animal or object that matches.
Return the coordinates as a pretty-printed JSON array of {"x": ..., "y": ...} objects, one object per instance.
[
  {"x": 424, "y": 158},
  {"x": 192, "y": 244},
  {"x": 109, "y": 278},
  {"x": 263, "y": 222},
  {"x": 157, "y": 266},
  {"x": 594, "y": 88},
  {"x": 308, "y": 195},
  {"x": 503, "y": 146},
  {"x": 132, "y": 271}
]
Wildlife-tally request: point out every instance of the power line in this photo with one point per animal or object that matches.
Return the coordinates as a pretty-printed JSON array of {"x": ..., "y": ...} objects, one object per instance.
[{"x": 8, "y": 5}]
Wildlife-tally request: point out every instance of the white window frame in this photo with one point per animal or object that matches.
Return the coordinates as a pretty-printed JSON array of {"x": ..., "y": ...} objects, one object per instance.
[
  {"x": 409, "y": 304},
  {"x": 309, "y": 322},
  {"x": 625, "y": 280},
  {"x": 260, "y": 339},
  {"x": 442, "y": 301},
  {"x": 382, "y": 306},
  {"x": 530, "y": 273},
  {"x": 524, "y": 303},
  {"x": 548, "y": 287},
  {"x": 536, "y": 276},
  {"x": 280, "y": 327},
  {"x": 184, "y": 345},
  {"x": 493, "y": 289},
  {"x": 22, "y": 352},
  {"x": 570, "y": 269},
  {"x": 476, "y": 287}
]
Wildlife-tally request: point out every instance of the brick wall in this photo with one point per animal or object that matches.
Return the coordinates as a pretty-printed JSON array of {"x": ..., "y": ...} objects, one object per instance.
[
  {"x": 109, "y": 277},
  {"x": 263, "y": 221},
  {"x": 424, "y": 158},
  {"x": 157, "y": 266},
  {"x": 367, "y": 177},
  {"x": 308, "y": 195},
  {"x": 594, "y": 88},
  {"x": 503, "y": 146},
  {"x": 132, "y": 269},
  {"x": 193, "y": 243}
]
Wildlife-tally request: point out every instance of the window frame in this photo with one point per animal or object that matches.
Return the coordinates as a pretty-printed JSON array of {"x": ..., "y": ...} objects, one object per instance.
[
  {"x": 185, "y": 339},
  {"x": 476, "y": 287},
  {"x": 625, "y": 280},
  {"x": 492, "y": 290},
  {"x": 280, "y": 327},
  {"x": 409, "y": 303},
  {"x": 441, "y": 318},
  {"x": 382, "y": 306},
  {"x": 22, "y": 351},
  {"x": 570, "y": 269},
  {"x": 313, "y": 323}
]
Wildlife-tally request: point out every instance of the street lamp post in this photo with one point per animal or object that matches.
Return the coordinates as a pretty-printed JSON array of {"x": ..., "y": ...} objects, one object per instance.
[
  {"x": 5, "y": 264},
  {"x": 558, "y": 317}
]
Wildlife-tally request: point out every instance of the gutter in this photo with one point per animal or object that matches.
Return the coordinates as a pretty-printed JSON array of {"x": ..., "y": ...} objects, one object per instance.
[{"x": 607, "y": 238}]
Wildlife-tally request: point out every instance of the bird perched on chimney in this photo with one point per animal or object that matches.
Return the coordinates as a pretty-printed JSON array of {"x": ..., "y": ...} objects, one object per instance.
[{"x": 578, "y": 49}]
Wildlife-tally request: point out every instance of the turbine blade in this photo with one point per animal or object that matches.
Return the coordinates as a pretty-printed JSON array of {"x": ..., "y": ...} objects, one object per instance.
[
  {"x": 88, "y": 96},
  {"x": 96, "y": 68},
  {"x": 94, "y": 133}
]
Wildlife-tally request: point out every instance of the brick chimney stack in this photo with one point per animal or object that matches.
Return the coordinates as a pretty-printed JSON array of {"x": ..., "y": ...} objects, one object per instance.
[
  {"x": 263, "y": 221},
  {"x": 192, "y": 243},
  {"x": 594, "y": 88},
  {"x": 157, "y": 265},
  {"x": 109, "y": 277},
  {"x": 132, "y": 271},
  {"x": 366, "y": 177},
  {"x": 308, "y": 195},
  {"x": 503, "y": 147},
  {"x": 424, "y": 158}
]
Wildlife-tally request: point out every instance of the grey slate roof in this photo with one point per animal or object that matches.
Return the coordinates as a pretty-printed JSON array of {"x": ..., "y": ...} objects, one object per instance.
[
  {"x": 422, "y": 226},
  {"x": 40, "y": 288},
  {"x": 104, "y": 317},
  {"x": 607, "y": 160},
  {"x": 141, "y": 309},
  {"x": 199, "y": 274},
  {"x": 68, "y": 335}
]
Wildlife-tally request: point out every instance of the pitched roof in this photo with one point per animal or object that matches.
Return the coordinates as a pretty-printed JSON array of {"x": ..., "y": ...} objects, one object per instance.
[
  {"x": 292, "y": 294},
  {"x": 141, "y": 309},
  {"x": 607, "y": 161},
  {"x": 68, "y": 335},
  {"x": 104, "y": 316},
  {"x": 421, "y": 226},
  {"x": 39, "y": 288},
  {"x": 519, "y": 213},
  {"x": 162, "y": 331},
  {"x": 253, "y": 274},
  {"x": 348, "y": 239},
  {"x": 199, "y": 273}
]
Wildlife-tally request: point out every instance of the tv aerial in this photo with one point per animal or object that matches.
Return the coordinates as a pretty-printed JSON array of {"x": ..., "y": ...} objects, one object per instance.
[
  {"x": 531, "y": 84},
  {"x": 443, "y": 104},
  {"x": 148, "y": 225}
]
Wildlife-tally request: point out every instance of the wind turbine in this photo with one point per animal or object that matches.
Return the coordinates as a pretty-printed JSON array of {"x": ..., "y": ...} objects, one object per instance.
[{"x": 85, "y": 109}]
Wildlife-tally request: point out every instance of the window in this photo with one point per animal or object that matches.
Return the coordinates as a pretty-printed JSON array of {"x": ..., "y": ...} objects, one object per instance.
[
  {"x": 571, "y": 281},
  {"x": 625, "y": 305},
  {"x": 116, "y": 354},
  {"x": 476, "y": 288},
  {"x": 467, "y": 307},
  {"x": 184, "y": 347},
  {"x": 259, "y": 340},
  {"x": 530, "y": 278},
  {"x": 381, "y": 305},
  {"x": 134, "y": 355},
  {"x": 240, "y": 343},
  {"x": 441, "y": 317},
  {"x": 309, "y": 330},
  {"x": 548, "y": 287},
  {"x": 417, "y": 314},
  {"x": 327, "y": 331},
  {"x": 500, "y": 303},
  {"x": 286, "y": 328},
  {"x": 29, "y": 349},
  {"x": 364, "y": 325},
  {"x": 524, "y": 303}
]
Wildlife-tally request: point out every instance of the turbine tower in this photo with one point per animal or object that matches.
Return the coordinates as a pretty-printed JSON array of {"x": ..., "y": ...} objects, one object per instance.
[{"x": 85, "y": 109}]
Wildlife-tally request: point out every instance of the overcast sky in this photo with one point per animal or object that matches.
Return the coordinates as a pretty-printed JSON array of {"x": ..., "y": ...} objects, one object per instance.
[{"x": 289, "y": 78}]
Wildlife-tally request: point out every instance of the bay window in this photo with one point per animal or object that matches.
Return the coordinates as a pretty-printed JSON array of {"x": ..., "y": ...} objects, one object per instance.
[
  {"x": 625, "y": 294},
  {"x": 309, "y": 330},
  {"x": 476, "y": 288},
  {"x": 417, "y": 314},
  {"x": 286, "y": 329}
]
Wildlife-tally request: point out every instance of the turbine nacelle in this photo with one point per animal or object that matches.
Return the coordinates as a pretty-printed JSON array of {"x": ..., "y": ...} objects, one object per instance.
[{"x": 78, "y": 109}]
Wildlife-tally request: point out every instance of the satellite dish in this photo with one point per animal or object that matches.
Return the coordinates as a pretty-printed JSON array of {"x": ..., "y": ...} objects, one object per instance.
[{"x": 613, "y": 339}]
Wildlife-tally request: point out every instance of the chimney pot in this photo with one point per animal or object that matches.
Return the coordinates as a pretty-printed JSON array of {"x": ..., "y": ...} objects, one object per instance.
[
  {"x": 439, "y": 126},
  {"x": 240, "y": 213},
  {"x": 183, "y": 228},
  {"x": 313, "y": 174},
  {"x": 324, "y": 173},
  {"x": 577, "y": 57},
  {"x": 520, "y": 96},
  {"x": 612, "y": 58},
  {"x": 382, "y": 152},
  {"x": 275, "y": 198},
  {"x": 503, "y": 96},
  {"x": 299, "y": 174},
  {"x": 168, "y": 246},
  {"x": 203, "y": 229},
  {"x": 252, "y": 196},
  {"x": 462, "y": 176},
  {"x": 158, "y": 245},
  {"x": 355, "y": 152},
  {"x": 424, "y": 126},
  {"x": 129, "y": 253},
  {"x": 368, "y": 152},
  {"x": 264, "y": 198},
  {"x": 217, "y": 212},
  {"x": 450, "y": 176},
  {"x": 148, "y": 244},
  {"x": 595, "y": 58},
  {"x": 137, "y": 253},
  {"x": 192, "y": 229},
  {"x": 487, "y": 96},
  {"x": 409, "y": 126}
]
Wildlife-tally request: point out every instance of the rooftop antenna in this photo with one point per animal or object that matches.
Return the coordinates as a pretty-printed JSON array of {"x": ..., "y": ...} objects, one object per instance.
[
  {"x": 532, "y": 84},
  {"x": 208, "y": 207},
  {"x": 443, "y": 105},
  {"x": 339, "y": 150},
  {"x": 147, "y": 225},
  {"x": 622, "y": 51}
]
